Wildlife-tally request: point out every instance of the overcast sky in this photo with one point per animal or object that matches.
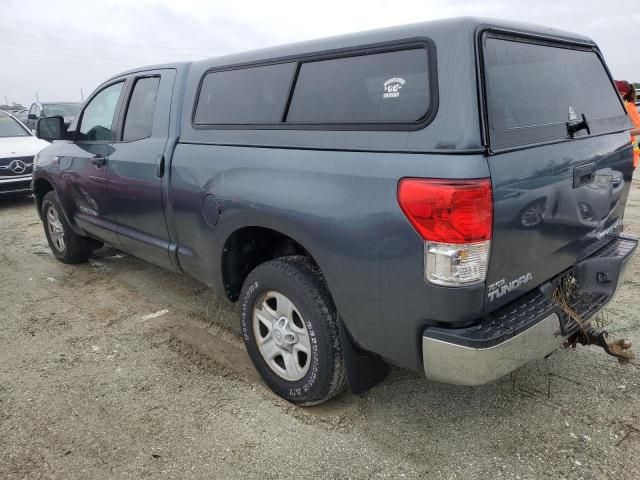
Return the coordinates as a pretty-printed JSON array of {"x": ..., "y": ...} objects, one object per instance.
[{"x": 56, "y": 48}]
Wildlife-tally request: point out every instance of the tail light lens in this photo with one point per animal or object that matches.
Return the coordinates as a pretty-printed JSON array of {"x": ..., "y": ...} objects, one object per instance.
[{"x": 455, "y": 218}]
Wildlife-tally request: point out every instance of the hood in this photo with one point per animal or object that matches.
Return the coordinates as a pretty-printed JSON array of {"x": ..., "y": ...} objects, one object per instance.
[{"x": 21, "y": 146}]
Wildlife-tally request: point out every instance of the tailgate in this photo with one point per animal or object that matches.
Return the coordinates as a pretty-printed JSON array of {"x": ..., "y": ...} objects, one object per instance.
[{"x": 561, "y": 159}]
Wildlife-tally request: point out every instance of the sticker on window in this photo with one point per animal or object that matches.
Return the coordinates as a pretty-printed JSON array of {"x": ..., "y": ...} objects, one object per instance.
[
  {"x": 393, "y": 86},
  {"x": 573, "y": 116}
]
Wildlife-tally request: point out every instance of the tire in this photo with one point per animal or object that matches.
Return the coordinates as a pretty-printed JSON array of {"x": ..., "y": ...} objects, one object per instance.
[
  {"x": 301, "y": 378},
  {"x": 66, "y": 245}
]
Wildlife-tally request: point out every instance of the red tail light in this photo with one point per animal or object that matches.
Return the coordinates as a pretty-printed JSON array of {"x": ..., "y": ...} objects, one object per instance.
[{"x": 448, "y": 211}]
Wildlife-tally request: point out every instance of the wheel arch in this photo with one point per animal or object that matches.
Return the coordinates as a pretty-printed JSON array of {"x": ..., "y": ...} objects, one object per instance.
[
  {"x": 41, "y": 186},
  {"x": 249, "y": 246},
  {"x": 257, "y": 245}
]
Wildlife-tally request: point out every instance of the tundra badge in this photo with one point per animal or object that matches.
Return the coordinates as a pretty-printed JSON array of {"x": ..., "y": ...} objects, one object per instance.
[{"x": 499, "y": 288}]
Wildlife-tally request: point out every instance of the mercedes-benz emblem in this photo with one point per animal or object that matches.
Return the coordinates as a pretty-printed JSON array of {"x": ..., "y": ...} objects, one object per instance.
[{"x": 17, "y": 166}]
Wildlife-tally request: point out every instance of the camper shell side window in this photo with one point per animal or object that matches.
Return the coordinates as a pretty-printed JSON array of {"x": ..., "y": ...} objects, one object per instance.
[{"x": 390, "y": 87}]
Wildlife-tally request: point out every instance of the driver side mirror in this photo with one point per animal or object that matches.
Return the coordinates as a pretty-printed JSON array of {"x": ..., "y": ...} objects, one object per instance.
[{"x": 50, "y": 128}]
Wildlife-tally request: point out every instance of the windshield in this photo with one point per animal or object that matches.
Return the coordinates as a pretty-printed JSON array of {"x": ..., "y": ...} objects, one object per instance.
[
  {"x": 10, "y": 128},
  {"x": 62, "y": 109}
]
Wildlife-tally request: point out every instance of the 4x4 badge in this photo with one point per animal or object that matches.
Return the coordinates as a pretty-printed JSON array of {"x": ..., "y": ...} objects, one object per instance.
[{"x": 573, "y": 116}]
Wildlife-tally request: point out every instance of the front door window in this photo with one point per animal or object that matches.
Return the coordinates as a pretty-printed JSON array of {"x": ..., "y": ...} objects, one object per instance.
[{"x": 97, "y": 123}]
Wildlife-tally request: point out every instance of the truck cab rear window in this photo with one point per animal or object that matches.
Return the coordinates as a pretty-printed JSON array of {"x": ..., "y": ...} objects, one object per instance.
[
  {"x": 387, "y": 87},
  {"x": 247, "y": 96},
  {"x": 538, "y": 85}
]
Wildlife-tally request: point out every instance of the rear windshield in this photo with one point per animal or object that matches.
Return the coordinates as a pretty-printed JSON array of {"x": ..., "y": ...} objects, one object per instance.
[{"x": 530, "y": 84}]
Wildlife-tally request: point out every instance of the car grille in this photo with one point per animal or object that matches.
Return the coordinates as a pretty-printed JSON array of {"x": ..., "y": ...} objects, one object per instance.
[
  {"x": 16, "y": 187},
  {"x": 6, "y": 166}
]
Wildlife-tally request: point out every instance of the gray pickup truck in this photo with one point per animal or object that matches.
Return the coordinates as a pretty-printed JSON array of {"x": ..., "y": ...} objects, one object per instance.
[{"x": 412, "y": 196}]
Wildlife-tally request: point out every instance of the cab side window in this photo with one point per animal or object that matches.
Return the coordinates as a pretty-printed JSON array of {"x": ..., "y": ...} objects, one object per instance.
[
  {"x": 97, "y": 122},
  {"x": 138, "y": 122}
]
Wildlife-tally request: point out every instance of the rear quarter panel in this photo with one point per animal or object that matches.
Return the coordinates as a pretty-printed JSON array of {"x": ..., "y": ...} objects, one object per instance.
[{"x": 342, "y": 208}]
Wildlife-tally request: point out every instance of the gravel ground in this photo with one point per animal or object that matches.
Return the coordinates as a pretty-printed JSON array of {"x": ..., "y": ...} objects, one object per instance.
[{"x": 90, "y": 387}]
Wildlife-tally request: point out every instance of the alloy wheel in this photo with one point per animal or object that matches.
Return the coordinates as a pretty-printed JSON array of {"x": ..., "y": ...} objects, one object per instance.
[
  {"x": 281, "y": 336},
  {"x": 55, "y": 228}
]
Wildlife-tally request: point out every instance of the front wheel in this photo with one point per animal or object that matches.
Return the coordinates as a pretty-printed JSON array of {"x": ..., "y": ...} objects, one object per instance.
[
  {"x": 66, "y": 245},
  {"x": 289, "y": 325}
]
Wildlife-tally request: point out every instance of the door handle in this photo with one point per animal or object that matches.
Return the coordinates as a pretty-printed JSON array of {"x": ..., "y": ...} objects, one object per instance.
[
  {"x": 160, "y": 166},
  {"x": 99, "y": 160}
]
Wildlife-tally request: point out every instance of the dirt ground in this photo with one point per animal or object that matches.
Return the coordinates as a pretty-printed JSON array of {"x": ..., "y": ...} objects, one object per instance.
[{"x": 91, "y": 387}]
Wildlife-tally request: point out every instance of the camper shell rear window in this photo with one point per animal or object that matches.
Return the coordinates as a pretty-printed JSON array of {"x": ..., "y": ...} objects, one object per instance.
[
  {"x": 375, "y": 88},
  {"x": 534, "y": 88}
]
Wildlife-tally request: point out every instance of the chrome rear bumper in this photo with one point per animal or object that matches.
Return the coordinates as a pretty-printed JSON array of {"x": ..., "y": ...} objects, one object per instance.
[
  {"x": 525, "y": 330},
  {"x": 462, "y": 365}
]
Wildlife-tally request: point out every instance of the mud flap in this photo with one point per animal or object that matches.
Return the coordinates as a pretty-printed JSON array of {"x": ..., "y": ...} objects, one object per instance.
[{"x": 364, "y": 370}]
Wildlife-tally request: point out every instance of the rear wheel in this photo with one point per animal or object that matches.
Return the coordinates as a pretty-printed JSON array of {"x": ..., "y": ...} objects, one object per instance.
[
  {"x": 66, "y": 245},
  {"x": 289, "y": 326}
]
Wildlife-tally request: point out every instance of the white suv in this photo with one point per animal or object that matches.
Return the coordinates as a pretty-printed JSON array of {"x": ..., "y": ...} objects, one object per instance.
[{"x": 18, "y": 147}]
